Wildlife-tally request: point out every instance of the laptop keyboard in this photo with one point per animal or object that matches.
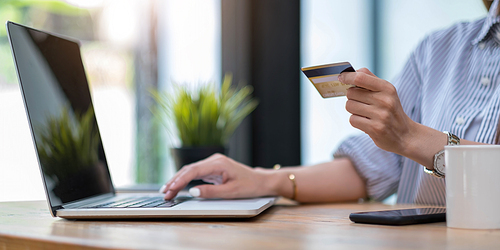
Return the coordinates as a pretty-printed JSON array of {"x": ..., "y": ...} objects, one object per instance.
[{"x": 141, "y": 202}]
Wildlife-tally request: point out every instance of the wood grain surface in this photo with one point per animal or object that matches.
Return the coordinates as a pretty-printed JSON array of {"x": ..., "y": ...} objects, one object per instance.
[{"x": 28, "y": 225}]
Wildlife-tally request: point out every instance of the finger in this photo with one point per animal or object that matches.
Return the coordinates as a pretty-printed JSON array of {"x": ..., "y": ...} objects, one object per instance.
[
  {"x": 168, "y": 189},
  {"x": 214, "y": 179},
  {"x": 206, "y": 167},
  {"x": 359, "y": 108},
  {"x": 169, "y": 183},
  {"x": 374, "y": 128},
  {"x": 360, "y": 95},
  {"x": 360, "y": 122},
  {"x": 172, "y": 180},
  {"x": 366, "y": 71},
  {"x": 163, "y": 189},
  {"x": 170, "y": 194},
  {"x": 224, "y": 191},
  {"x": 362, "y": 80},
  {"x": 172, "y": 188}
]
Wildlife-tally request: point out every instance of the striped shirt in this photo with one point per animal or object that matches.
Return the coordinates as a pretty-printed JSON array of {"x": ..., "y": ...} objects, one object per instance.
[{"x": 449, "y": 83}]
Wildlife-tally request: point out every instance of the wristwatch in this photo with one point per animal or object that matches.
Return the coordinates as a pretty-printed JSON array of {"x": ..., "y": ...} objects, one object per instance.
[{"x": 439, "y": 170}]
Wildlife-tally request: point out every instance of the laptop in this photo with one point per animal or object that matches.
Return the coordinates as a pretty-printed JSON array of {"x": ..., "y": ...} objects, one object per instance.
[{"x": 70, "y": 152}]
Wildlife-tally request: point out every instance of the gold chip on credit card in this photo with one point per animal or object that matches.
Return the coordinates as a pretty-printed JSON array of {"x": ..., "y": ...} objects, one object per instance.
[{"x": 325, "y": 78}]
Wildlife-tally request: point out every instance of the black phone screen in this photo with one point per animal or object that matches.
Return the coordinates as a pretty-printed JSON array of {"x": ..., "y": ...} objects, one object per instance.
[{"x": 401, "y": 217}]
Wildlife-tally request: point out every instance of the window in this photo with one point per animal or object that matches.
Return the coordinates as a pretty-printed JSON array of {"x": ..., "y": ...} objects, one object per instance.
[
  {"x": 335, "y": 31},
  {"x": 128, "y": 46},
  {"x": 107, "y": 31}
]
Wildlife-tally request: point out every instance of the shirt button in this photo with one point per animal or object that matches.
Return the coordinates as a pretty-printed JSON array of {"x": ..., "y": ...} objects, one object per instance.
[
  {"x": 460, "y": 120},
  {"x": 485, "y": 81},
  {"x": 481, "y": 45}
]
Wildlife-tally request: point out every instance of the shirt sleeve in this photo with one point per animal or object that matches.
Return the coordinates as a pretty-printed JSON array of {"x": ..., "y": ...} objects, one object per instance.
[{"x": 380, "y": 169}]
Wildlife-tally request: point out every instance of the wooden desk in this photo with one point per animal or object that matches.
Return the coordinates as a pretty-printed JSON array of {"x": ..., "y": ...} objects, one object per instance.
[{"x": 28, "y": 225}]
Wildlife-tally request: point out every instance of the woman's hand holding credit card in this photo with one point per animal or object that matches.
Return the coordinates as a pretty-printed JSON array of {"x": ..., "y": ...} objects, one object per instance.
[
  {"x": 325, "y": 78},
  {"x": 374, "y": 104}
]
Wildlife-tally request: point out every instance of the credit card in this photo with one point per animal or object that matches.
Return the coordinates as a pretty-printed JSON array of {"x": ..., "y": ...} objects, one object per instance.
[{"x": 325, "y": 78}]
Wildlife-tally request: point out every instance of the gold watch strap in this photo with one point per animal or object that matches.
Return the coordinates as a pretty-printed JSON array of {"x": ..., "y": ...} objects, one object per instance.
[
  {"x": 453, "y": 140},
  {"x": 433, "y": 173}
]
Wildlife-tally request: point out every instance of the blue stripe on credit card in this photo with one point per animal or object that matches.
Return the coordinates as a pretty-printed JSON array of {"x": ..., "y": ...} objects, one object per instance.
[{"x": 328, "y": 70}]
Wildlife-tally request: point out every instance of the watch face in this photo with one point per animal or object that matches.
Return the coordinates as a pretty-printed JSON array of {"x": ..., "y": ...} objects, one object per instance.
[{"x": 440, "y": 163}]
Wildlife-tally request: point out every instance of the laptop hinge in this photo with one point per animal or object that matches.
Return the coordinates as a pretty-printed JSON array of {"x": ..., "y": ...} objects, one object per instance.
[{"x": 54, "y": 210}]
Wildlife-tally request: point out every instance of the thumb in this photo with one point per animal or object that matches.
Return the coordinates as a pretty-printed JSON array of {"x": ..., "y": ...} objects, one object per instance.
[
  {"x": 366, "y": 71},
  {"x": 212, "y": 191}
]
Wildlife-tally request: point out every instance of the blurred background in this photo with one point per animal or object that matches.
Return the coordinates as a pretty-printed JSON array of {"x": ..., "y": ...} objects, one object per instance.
[{"x": 132, "y": 46}]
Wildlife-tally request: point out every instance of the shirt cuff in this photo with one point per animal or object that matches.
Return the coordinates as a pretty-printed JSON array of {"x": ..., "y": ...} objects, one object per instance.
[{"x": 381, "y": 170}]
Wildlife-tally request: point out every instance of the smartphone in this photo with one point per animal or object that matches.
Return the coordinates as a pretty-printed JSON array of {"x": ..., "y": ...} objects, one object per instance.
[{"x": 401, "y": 217}]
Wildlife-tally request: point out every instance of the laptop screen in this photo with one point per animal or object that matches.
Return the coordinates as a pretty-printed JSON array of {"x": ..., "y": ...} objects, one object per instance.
[{"x": 61, "y": 115}]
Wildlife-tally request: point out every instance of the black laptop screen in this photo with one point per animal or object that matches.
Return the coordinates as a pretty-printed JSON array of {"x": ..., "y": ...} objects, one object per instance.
[{"x": 61, "y": 115}]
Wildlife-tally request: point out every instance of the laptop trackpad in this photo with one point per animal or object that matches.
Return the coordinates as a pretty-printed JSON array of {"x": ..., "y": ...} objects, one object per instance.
[{"x": 221, "y": 204}]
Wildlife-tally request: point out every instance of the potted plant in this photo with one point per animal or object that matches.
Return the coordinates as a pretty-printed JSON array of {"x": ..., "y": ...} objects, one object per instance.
[{"x": 203, "y": 118}]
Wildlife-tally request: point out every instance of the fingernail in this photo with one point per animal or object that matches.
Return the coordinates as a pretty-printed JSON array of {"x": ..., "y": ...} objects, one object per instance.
[
  {"x": 162, "y": 189},
  {"x": 195, "y": 192},
  {"x": 340, "y": 78}
]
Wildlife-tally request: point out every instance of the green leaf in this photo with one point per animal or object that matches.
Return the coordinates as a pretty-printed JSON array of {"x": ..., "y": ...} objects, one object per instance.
[{"x": 204, "y": 116}]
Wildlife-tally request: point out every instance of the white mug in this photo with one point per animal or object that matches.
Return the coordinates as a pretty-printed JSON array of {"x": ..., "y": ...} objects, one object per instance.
[{"x": 473, "y": 186}]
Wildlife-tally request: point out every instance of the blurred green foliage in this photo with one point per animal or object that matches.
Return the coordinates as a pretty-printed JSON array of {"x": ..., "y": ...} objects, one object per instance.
[
  {"x": 18, "y": 11},
  {"x": 205, "y": 116},
  {"x": 68, "y": 144},
  {"x": 14, "y": 10}
]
